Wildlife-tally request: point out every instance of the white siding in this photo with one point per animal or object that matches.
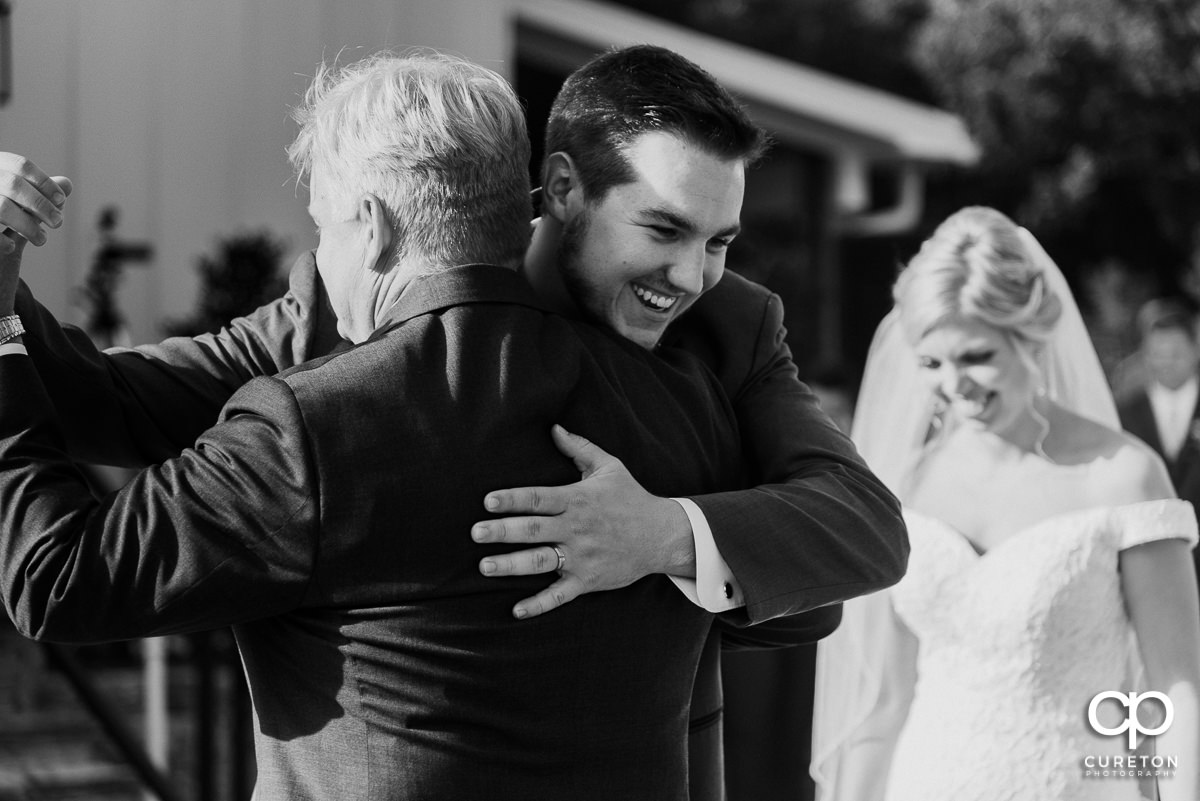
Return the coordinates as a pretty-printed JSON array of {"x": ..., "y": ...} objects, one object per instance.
[{"x": 178, "y": 113}]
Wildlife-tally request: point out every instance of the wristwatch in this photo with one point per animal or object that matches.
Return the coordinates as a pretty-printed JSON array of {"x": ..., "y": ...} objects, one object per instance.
[{"x": 10, "y": 328}]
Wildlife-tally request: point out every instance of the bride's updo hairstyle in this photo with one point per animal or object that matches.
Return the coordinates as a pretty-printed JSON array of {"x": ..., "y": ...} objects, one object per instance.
[{"x": 975, "y": 266}]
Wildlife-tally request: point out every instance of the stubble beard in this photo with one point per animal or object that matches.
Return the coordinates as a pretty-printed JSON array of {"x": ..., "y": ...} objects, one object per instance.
[{"x": 573, "y": 271}]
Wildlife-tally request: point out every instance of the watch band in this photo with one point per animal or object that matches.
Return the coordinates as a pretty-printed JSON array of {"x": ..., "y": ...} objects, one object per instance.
[{"x": 10, "y": 328}]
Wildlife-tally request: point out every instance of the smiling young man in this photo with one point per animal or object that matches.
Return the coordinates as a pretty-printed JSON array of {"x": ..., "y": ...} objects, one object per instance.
[
  {"x": 642, "y": 188},
  {"x": 641, "y": 253}
]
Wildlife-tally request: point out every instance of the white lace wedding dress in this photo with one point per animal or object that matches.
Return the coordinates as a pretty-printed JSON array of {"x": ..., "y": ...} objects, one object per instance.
[{"x": 1014, "y": 643}]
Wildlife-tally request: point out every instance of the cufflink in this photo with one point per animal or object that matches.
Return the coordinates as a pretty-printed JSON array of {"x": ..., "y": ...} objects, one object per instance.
[{"x": 728, "y": 591}]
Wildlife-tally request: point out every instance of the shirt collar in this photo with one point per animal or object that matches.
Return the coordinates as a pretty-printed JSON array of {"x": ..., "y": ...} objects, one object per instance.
[
  {"x": 457, "y": 286},
  {"x": 1188, "y": 391}
]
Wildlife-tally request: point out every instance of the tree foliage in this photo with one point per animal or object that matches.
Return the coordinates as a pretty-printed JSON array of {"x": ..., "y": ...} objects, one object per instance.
[
  {"x": 855, "y": 39},
  {"x": 1087, "y": 111},
  {"x": 242, "y": 275}
]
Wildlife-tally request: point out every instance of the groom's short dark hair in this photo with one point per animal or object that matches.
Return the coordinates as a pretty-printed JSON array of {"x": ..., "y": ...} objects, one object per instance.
[{"x": 622, "y": 94}]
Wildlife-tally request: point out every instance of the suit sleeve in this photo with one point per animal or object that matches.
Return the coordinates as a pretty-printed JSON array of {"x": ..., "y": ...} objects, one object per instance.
[
  {"x": 224, "y": 533},
  {"x": 819, "y": 527},
  {"x": 803, "y": 628},
  {"x": 132, "y": 407}
]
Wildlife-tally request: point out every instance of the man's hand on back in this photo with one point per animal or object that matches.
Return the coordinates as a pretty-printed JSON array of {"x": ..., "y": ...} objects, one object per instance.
[{"x": 609, "y": 530}]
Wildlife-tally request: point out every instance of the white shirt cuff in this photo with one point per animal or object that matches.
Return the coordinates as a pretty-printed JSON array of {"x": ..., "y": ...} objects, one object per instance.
[
  {"x": 13, "y": 347},
  {"x": 714, "y": 588}
]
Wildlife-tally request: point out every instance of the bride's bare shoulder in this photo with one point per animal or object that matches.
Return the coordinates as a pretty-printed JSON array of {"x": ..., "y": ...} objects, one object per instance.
[{"x": 1122, "y": 469}]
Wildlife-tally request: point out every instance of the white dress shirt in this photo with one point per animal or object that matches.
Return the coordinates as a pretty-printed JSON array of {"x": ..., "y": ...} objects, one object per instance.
[
  {"x": 1173, "y": 409},
  {"x": 714, "y": 588}
]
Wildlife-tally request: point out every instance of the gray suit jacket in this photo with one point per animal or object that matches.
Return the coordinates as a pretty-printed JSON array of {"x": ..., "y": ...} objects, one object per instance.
[{"x": 326, "y": 518}]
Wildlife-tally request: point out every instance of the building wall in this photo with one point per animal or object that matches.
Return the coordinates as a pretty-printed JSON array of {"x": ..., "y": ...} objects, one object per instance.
[{"x": 178, "y": 114}]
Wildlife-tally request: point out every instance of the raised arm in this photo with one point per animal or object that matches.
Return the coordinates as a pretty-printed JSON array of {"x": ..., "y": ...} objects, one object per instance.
[
  {"x": 137, "y": 406},
  {"x": 77, "y": 569},
  {"x": 133, "y": 407},
  {"x": 74, "y": 568}
]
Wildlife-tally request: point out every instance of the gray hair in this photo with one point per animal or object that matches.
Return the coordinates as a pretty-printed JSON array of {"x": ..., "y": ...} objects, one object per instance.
[
  {"x": 440, "y": 141},
  {"x": 975, "y": 266}
]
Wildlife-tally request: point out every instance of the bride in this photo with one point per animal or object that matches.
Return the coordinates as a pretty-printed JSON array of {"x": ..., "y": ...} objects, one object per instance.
[{"x": 1050, "y": 561}]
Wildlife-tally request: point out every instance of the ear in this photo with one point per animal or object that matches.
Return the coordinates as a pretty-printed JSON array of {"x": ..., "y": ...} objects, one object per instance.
[
  {"x": 561, "y": 191},
  {"x": 378, "y": 231}
]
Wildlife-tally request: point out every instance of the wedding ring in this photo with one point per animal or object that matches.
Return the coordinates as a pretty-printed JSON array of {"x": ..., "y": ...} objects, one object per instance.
[{"x": 562, "y": 558}]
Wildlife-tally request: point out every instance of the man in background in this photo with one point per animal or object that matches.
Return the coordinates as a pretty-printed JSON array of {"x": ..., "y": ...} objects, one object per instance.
[{"x": 1165, "y": 411}]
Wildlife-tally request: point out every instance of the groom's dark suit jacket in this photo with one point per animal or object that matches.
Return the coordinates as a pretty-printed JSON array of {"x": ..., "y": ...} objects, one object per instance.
[
  {"x": 820, "y": 528},
  {"x": 1137, "y": 417},
  {"x": 326, "y": 517}
]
